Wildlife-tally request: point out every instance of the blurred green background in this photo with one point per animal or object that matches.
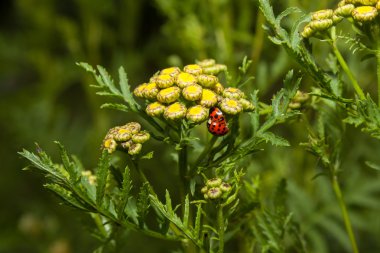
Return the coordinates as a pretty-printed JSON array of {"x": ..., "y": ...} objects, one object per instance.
[{"x": 44, "y": 97}]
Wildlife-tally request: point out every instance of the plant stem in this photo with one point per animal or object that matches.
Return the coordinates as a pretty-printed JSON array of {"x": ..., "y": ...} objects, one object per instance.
[
  {"x": 343, "y": 208},
  {"x": 344, "y": 65},
  {"x": 378, "y": 70},
  {"x": 220, "y": 229},
  {"x": 182, "y": 167}
]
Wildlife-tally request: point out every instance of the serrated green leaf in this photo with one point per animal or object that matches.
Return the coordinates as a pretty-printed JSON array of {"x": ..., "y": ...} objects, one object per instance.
[
  {"x": 186, "y": 212},
  {"x": 143, "y": 203},
  {"x": 197, "y": 225},
  {"x": 69, "y": 166},
  {"x": 125, "y": 89},
  {"x": 125, "y": 191},
  {"x": 66, "y": 196},
  {"x": 286, "y": 12},
  {"x": 115, "y": 106},
  {"x": 107, "y": 80},
  {"x": 148, "y": 155},
  {"x": 101, "y": 177},
  {"x": 168, "y": 203},
  {"x": 86, "y": 66}
]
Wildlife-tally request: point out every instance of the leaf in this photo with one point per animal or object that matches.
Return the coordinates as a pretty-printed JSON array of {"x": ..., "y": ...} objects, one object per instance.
[
  {"x": 274, "y": 140},
  {"x": 197, "y": 225},
  {"x": 101, "y": 177},
  {"x": 73, "y": 171},
  {"x": 125, "y": 89},
  {"x": 66, "y": 196},
  {"x": 107, "y": 80},
  {"x": 125, "y": 190},
  {"x": 373, "y": 165},
  {"x": 148, "y": 155},
  {"x": 186, "y": 212},
  {"x": 169, "y": 207},
  {"x": 143, "y": 203}
]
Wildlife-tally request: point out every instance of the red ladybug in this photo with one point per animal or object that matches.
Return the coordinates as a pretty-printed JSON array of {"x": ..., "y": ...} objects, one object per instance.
[{"x": 216, "y": 123}]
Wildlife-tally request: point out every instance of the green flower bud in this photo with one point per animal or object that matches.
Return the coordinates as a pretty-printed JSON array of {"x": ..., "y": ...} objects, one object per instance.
[
  {"x": 141, "y": 137},
  {"x": 123, "y": 134},
  {"x": 133, "y": 127},
  {"x": 207, "y": 81},
  {"x": 192, "y": 92},
  {"x": 209, "y": 98},
  {"x": 173, "y": 71},
  {"x": 344, "y": 10},
  {"x": 206, "y": 63},
  {"x": 231, "y": 106},
  {"x": 185, "y": 79},
  {"x": 364, "y": 13},
  {"x": 127, "y": 144},
  {"x": 322, "y": 14},
  {"x": 134, "y": 148},
  {"x": 225, "y": 187},
  {"x": 300, "y": 97},
  {"x": 214, "y": 193},
  {"x": 193, "y": 69},
  {"x": 164, "y": 81},
  {"x": 366, "y": 2},
  {"x": 343, "y": 2},
  {"x": 214, "y": 182},
  {"x": 246, "y": 104},
  {"x": 214, "y": 70},
  {"x": 204, "y": 189},
  {"x": 168, "y": 95},
  {"x": 197, "y": 114},
  {"x": 321, "y": 24},
  {"x": 307, "y": 32},
  {"x": 109, "y": 145},
  {"x": 294, "y": 105},
  {"x": 337, "y": 19},
  {"x": 175, "y": 111},
  {"x": 155, "y": 109},
  {"x": 231, "y": 92}
]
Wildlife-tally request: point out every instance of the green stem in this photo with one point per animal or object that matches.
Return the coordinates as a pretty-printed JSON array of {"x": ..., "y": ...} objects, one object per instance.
[
  {"x": 220, "y": 229},
  {"x": 378, "y": 70},
  {"x": 182, "y": 167},
  {"x": 343, "y": 208},
  {"x": 344, "y": 65}
]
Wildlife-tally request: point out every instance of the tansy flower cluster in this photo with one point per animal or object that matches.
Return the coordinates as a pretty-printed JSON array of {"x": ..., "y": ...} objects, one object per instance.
[
  {"x": 359, "y": 11},
  {"x": 215, "y": 188},
  {"x": 128, "y": 137},
  {"x": 176, "y": 94}
]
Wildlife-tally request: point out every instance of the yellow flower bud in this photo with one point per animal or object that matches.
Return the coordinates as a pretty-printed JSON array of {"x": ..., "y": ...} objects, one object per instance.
[
  {"x": 150, "y": 91},
  {"x": 214, "y": 182},
  {"x": 155, "y": 109},
  {"x": 168, "y": 95},
  {"x": 193, "y": 69},
  {"x": 231, "y": 106},
  {"x": 141, "y": 137},
  {"x": 364, "y": 13},
  {"x": 214, "y": 70},
  {"x": 218, "y": 88},
  {"x": 192, "y": 92},
  {"x": 225, "y": 187},
  {"x": 322, "y": 14},
  {"x": 336, "y": 19},
  {"x": 214, "y": 193},
  {"x": 207, "y": 81},
  {"x": 164, "y": 81},
  {"x": 109, "y": 145},
  {"x": 139, "y": 90},
  {"x": 307, "y": 32},
  {"x": 197, "y": 114},
  {"x": 209, "y": 98},
  {"x": 366, "y": 2},
  {"x": 175, "y": 111},
  {"x": 123, "y": 134},
  {"x": 133, "y": 127},
  {"x": 246, "y": 104},
  {"x": 134, "y": 149},
  {"x": 127, "y": 144},
  {"x": 185, "y": 79}
]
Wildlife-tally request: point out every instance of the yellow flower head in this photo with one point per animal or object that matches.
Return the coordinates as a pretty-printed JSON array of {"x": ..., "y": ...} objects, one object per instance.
[
  {"x": 364, "y": 13},
  {"x": 344, "y": 10},
  {"x": 231, "y": 92},
  {"x": 175, "y": 111},
  {"x": 123, "y": 134},
  {"x": 109, "y": 145},
  {"x": 197, "y": 114},
  {"x": 155, "y": 109},
  {"x": 218, "y": 88},
  {"x": 150, "y": 91},
  {"x": 209, "y": 98},
  {"x": 207, "y": 81},
  {"x": 231, "y": 106},
  {"x": 168, "y": 95},
  {"x": 164, "y": 81},
  {"x": 185, "y": 79},
  {"x": 193, "y": 69},
  {"x": 206, "y": 63},
  {"x": 139, "y": 90},
  {"x": 192, "y": 92},
  {"x": 173, "y": 71}
]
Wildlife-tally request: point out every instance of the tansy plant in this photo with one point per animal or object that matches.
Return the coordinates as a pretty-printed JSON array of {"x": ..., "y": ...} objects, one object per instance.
[{"x": 216, "y": 202}]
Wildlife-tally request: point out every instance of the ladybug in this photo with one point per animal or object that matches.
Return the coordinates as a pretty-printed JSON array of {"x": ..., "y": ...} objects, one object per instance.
[{"x": 216, "y": 123}]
